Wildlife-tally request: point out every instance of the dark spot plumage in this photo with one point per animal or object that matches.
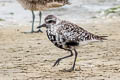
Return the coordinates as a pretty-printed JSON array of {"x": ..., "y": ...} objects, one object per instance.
[{"x": 66, "y": 35}]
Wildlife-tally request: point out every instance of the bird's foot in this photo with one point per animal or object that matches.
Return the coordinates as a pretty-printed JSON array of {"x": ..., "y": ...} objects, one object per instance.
[
  {"x": 68, "y": 70},
  {"x": 27, "y": 32},
  {"x": 33, "y": 32},
  {"x": 57, "y": 62},
  {"x": 39, "y": 31}
]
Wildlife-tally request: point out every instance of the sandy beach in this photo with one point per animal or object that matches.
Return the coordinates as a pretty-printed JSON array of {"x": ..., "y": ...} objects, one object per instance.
[{"x": 31, "y": 56}]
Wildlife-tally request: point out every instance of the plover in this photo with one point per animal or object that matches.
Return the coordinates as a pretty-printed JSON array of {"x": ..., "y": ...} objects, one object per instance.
[
  {"x": 40, "y": 5},
  {"x": 68, "y": 36}
]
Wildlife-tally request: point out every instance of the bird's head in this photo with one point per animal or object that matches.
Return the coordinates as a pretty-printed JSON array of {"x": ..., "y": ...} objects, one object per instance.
[{"x": 50, "y": 20}]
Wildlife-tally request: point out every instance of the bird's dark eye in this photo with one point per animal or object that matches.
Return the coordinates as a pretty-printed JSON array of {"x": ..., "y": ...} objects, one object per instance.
[{"x": 51, "y": 21}]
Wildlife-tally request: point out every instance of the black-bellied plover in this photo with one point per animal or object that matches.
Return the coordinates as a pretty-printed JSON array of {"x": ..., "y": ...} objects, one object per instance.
[
  {"x": 68, "y": 36},
  {"x": 40, "y": 5}
]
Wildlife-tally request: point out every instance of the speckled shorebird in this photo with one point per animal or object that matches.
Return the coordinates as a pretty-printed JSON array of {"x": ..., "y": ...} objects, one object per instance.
[
  {"x": 40, "y": 5},
  {"x": 68, "y": 36}
]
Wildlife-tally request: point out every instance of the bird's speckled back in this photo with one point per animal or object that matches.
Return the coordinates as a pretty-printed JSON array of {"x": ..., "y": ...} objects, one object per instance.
[{"x": 66, "y": 34}]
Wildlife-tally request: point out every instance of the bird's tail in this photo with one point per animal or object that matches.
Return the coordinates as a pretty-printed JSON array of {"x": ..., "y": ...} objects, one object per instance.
[{"x": 101, "y": 38}]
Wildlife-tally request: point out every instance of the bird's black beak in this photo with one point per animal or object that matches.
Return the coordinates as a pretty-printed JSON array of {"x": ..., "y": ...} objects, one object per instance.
[{"x": 43, "y": 25}]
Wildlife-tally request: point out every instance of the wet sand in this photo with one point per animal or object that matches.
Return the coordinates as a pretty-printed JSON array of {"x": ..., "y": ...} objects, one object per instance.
[{"x": 31, "y": 56}]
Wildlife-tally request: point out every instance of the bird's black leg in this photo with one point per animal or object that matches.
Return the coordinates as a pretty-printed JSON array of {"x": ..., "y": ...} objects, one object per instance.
[
  {"x": 33, "y": 14},
  {"x": 40, "y": 16},
  {"x": 71, "y": 69},
  {"x": 58, "y": 60}
]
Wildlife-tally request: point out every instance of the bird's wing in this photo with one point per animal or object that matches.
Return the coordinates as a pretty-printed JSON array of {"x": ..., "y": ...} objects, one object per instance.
[
  {"x": 73, "y": 33},
  {"x": 32, "y": 1},
  {"x": 43, "y": 4},
  {"x": 35, "y": 1},
  {"x": 56, "y": 3},
  {"x": 48, "y": 1}
]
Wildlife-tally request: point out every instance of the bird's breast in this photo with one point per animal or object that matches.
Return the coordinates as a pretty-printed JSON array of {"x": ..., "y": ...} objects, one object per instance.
[{"x": 54, "y": 38}]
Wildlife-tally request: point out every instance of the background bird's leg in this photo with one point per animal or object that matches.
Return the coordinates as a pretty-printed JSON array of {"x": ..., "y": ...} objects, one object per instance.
[
  {"x": 71, "y": 69},
  {"x": 40, "y": 16},
  {"x": 33, "y": 15},
  {"x": 58, "y": 60}
]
